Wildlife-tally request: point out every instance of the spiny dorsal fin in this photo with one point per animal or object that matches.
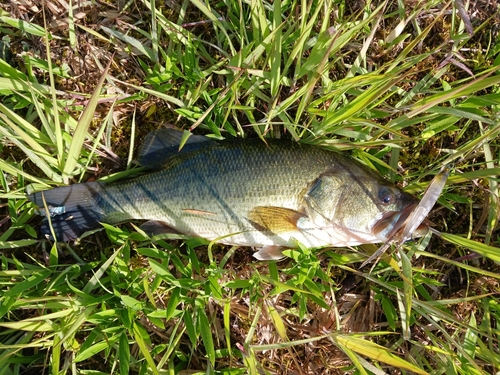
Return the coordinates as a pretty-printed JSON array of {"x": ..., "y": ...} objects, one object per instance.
[
  {"x": 159, "y": 145},
  {"x": 274, "y": 219}
]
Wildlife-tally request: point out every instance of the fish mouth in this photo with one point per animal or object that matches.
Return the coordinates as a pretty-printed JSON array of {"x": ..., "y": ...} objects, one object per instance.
[{"x": 392, "y": 223}]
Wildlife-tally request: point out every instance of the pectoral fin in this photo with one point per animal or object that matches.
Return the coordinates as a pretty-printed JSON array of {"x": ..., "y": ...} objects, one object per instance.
[{"x": 274, "y": 219}]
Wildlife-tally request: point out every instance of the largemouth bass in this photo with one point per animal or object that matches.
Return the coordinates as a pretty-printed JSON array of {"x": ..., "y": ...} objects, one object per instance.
[{"x": 245, "y": 193}]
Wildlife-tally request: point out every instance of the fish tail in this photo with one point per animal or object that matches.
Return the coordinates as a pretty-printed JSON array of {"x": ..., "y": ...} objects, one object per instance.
[{"x": 72, "y": 210}]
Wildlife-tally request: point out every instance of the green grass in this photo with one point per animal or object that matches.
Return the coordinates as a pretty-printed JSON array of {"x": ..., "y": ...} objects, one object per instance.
[{"x": 403, "y": 87}]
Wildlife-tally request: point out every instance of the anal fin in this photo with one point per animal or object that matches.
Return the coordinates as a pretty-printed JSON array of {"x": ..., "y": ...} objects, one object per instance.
[{"x": 156, "y": 227}]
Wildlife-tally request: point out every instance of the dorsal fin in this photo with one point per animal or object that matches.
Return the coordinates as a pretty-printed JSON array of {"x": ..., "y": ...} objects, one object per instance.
[{"x": 161, "y": 144}]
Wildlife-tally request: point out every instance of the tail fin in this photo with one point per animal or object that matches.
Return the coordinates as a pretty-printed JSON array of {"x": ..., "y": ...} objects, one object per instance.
[{"x": 73, "y": 210}]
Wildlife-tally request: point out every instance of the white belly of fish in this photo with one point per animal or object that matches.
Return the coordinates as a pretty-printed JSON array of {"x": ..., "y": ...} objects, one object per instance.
[{"x": 307, "y": 234}]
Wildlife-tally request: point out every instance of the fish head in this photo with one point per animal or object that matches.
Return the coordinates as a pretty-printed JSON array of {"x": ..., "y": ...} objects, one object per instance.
[{"x": 362, "y": 205}]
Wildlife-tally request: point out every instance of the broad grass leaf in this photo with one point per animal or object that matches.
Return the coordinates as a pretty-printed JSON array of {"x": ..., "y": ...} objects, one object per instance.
[
  {"x": 8, "y": 71},
  {"x": 138, "y": 45},
  {"x": 206, "y": 335},
  {"x": 132, "y": 303},
  {"x": 124, "y": 354},
  {"x": 51, "y": 316},
  {"x": 102, "y": 317},
  {"x": 29, "y": 133},
  {"x": 61, "y": 71},
  {"x": 282, "y": 287},
  {"x": 13, "y": 85},
  {"x": 160, "y": 95},
  {"x": 277, "y": 321},
  {"x": 227, "y": 325},
  {"x": 190, "y": 327},
  {"x": 152, "y": 253},
  {"x": 457, "y": 178},
  {"x": 17, "y": 243},
  {"x": 56, "y": 355},
  {"x": 75, "y": 322},
  {"x": 487, "y": 251},
  {"x": 475, "y": 101},
  {"x": 25, "y": 26},
  {"x": 253, "y": 56},
  {"x": 95, "y": 34},
  {"x": 356, "y": 360},
  {"x": 470, "y": 339},
  {"x": 275, "y": 60},
  {"x": 81, "y": 130},
  {"x": 161, "y": 270},
  {"x": 164, "y": 314},
  {"x": 480, "y": 83},
  {"x": 363, "y": 101},
  {"x": 440, "y": 124},
  {"x": 8, "y": 168},
  {"x": 173, "y": 301},
  {"x": 377, "y": 352},
  {"x": 389, "y": 311},
  {"x": 94, "y": 349},
  {"x": 39, "y": 157},
  {"x": 71, "y": 26},
  {"x": 95, "y": 280},
  {"x": 490, "y": 353},
  {"x": 36, "y": 278},
  {"x": 138, "y": 332},
  {"x": 238, "y": 284},
  {"x": 28, "y": 326},
  {"x": 408, "y": 294},
  {"x": 462, "y": 112}
]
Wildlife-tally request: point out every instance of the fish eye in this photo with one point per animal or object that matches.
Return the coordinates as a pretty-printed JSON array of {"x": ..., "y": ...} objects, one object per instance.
[{"x": 386, "y": 195}]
